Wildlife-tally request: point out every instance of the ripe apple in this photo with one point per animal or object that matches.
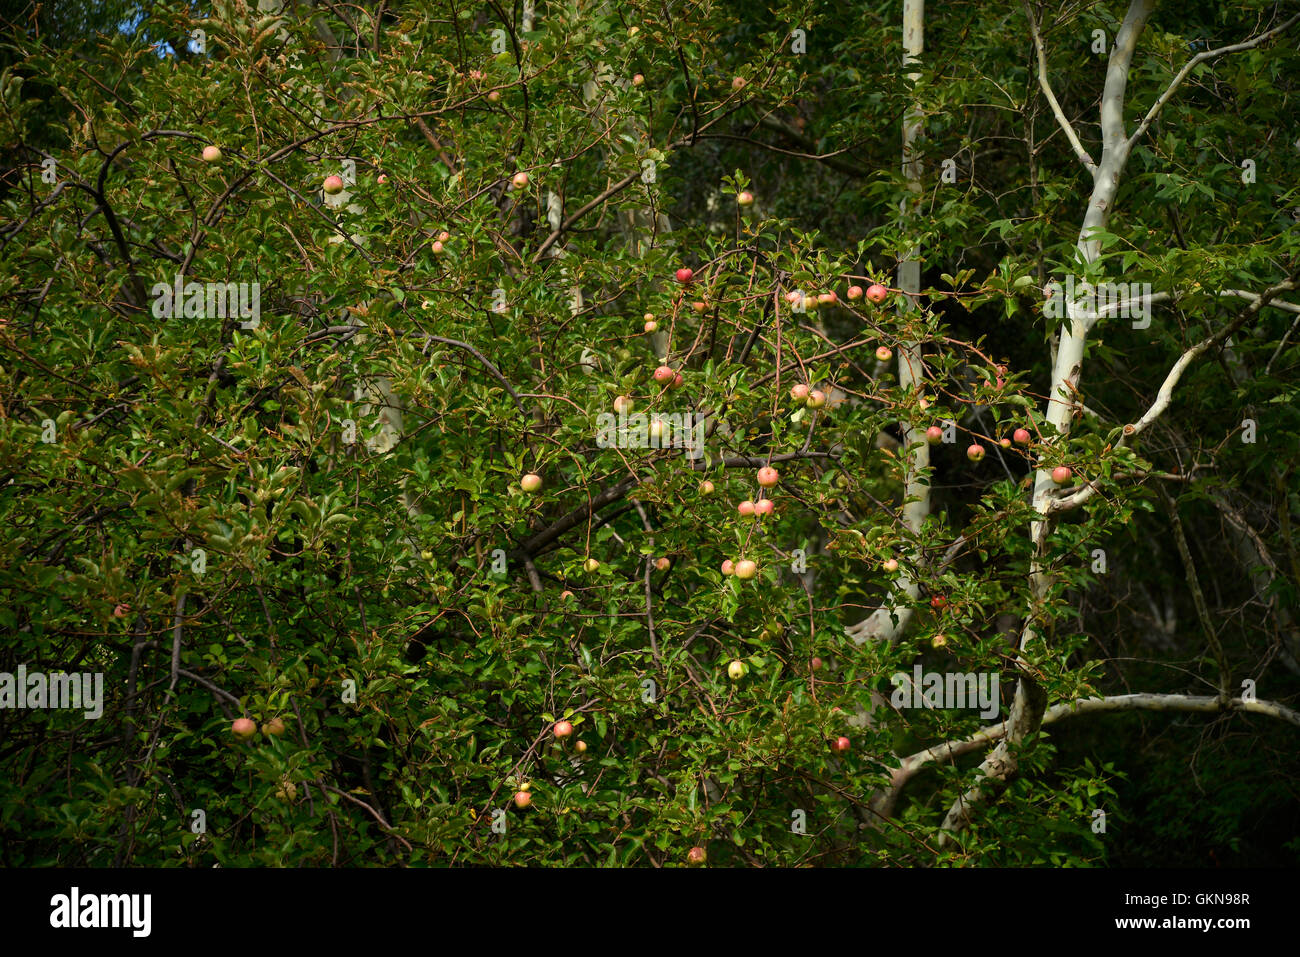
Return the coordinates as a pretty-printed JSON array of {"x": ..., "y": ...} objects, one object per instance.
[
  {"x": 243, "y": 728},
  {"x": 1004, "y": 442},
  {"x": 664, "y": 374},
  {"x": 494, "y": 96},
  {"x": 590, "y": 565},
  {"x": 934, "y": 435},
  {"x": 764, "y": 506},
  {"x": 663, "y": 564},
  {"x": 745, "y": 569},
  {"x": 746, "y": 507},
  {"x": 436, "y": 248},
  {"x": 638, "y": 79},
  {"x": 706, "y": 487},
  {"x": 1021, "y": 436},
  {"x": 884, "y": 353},
  {"x": 728, "y": 567},
  {"x": 212, "y": 154},
  {"x": 745, "y": 199},
  {"x": 1061, "y": 474},
  {"x": 580, "y": 746},
  {"x": 649, "y": 317},
  {"x": 699, "y": 307},
  {"x": 738, "y": 82},
  {"x": 519, "y": 180},
  {"x": 855, "y": 292},
  {"x": 939, "y": 641},
  {"x": 938, "y": 602},
  {"x": 799, "y": 392},
  {"x": 333, "y": 185},
  {"x": 877, "y": 293},
  {"x": 274, "y": 727},
  {"x": 736, "y": 670},
  {"x": 530, "y": 482},
  {"x": 816, "y": 664},
  {"x": 827, "y": 299},
  {"x": 677, "y": 381},
  {"x": 975, "y": 452},
  {"x": 890, "y": 565},
  {"x": 623, "y": 404},
  {"x": 444, "y": 236},
  {"x": 120, "y": 610},
  {"x": 656, "y": 428},
  {"x": 523, "y": 799},
  {"x": 816, "y": 399},
  {"x": 768, "y": 476},
  {"x": 696, "y": 855},
  {"x": 381, "y": 179},
  {"x": 651, "y": 325},
  {"x": 793, "y": 296},
  {"x": 563, "y": 729},
  {"x": 840, "y": 745},
  {"x": 685, "y": 275},
  {"x": 566, "y": 595}
]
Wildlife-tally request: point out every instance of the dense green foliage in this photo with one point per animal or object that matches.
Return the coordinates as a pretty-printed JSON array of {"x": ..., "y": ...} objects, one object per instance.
[{"x": 186, "y": 509}]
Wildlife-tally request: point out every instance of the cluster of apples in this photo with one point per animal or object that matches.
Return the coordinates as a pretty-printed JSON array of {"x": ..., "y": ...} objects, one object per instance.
[
  {"x": 245, "y": 728},
  {"x": 561, "y": 730},
  {"x": 812, "y": 398},
  {"x": 767, "y": 479}
]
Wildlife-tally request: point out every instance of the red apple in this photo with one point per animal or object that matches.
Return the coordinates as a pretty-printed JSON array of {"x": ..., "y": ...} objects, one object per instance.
[
  {"x": 1004, "y": 442},
  {"x": 877, "y": 293},
  {"x": 212, "y": 154},
  {"x": 1021, "y": 436},
  {"x": 333, "y": 185},
  {"x": 444, "y": 236},
  {"x": 884, "y": 353},
  {"x": 580, "y": 746},
  {"x": 381, "y": 179},
  {"x": 840, "y": 745},
  {"x": 519, "y": 180},
  {"x": 855, "y": 292},
  {"x": 816, "y": 664},
  {"x": 738, "y": 82},
  {"x": 523, "y": 799},
  {"x": 827, "y": 299},
  {"x": 696, "y": 855},
  {"x": 530, "y": 482},
  {"x": 684, "y": 275},
  {"x": 243, "y": 728},
  {"x": 975, "y": 452},
  {"x": 706, "y": 487},
  {"x": 563, "y": 729},
  {"x": 890, "y": 565},
  {"x": 638, "y": 79},
  {"x": 938, "y": 602},
  {"x": 746, "y": 507},
  {"x": 699, "y": 306},
  {"x": 274, "y": 727},
  {"x": 651, "y": 325},
  {"x": 494, "y": 96},
  {"x": 745, "y": 199},
  {"x": 623, "y": 404},
  {"x": 764, "y": 506},
  {"x": 934, "y": 435},
  {"x": 436, "y": 247},
  {"x": 120, "y": 610},
  {"x": 799, "y": 392},
  {"x": 677, "y": 381},
  {"x": 939, "y": 641},
  {"x": 664, "y": 374},
  {"x": 745, "y": 569},
  {"x": 662, "y": 564},
  {"x": 1061, "y": 474},
  {"x": 816, "y": 399},
  {"x": 768, "y": 476},
  {"x": 728, "y": 567},
  {"x": 566, "y": 595}
]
